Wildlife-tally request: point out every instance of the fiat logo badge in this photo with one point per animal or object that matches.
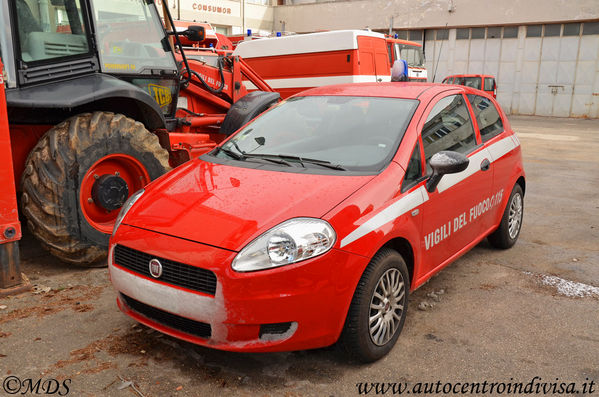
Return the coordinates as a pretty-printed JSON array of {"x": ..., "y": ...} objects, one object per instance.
[{"x": 155, "y": 268}]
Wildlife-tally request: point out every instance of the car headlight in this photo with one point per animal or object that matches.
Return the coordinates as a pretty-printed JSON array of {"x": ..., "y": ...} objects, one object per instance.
[
  {"x": 126, "y": 207},
  {"x": 292, "y": 241}
]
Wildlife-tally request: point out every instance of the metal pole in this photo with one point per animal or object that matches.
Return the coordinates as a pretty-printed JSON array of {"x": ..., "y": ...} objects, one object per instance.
[{"x": 10, "y": 227}]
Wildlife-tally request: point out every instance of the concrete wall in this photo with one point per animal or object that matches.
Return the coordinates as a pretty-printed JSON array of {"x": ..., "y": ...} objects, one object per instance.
[{"x": 376, "y": 14}]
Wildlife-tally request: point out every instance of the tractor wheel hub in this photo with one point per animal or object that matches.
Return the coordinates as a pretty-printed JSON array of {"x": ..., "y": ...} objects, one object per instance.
[{"x": 110, "y": 192}]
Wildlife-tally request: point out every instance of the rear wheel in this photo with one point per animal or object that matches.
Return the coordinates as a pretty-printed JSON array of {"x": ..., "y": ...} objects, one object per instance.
[
  {"x": 79, "y": 175},
  {"x": 509, "y": 229},
  {"x": 378, "y": 309}
]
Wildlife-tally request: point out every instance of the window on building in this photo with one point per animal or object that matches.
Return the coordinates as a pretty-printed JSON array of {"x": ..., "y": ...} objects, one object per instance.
[
  {"x": 510, "y": 32},
  {"x": 478, "y": 33},
  {"x": 571, "y": 29},
  {"x": 442, "y": 34},
  {"x": 533, "y": 31},
  {"x": 402, "y": 34},
  {"x": 487, "y": 117},
  {"x": 415, "y": 35},
  {"x": 553, "y": 30},
  {"x": 493, "y": 33},
  {"x": 448, "y": 127},
  {"x": 221, "y": 29},
  {"x": 414, "y": 170},
  {"x": 590, "y": 28},
  {"x": 462, "y": 34}
]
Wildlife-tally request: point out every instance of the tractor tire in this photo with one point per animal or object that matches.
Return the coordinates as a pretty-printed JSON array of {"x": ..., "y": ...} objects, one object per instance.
[{"x": 78, "y": 176}]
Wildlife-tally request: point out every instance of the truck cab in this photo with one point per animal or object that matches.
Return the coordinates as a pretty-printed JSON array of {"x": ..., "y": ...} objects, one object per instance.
[
  {"x": 412, "y": 53},
  {"x": 291, "y": 64}
]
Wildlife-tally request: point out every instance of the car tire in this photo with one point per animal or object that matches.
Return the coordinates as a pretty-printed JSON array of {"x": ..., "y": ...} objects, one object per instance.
[
  {"x": 60, "y": 177},
  {"x": 508, "y": 231},
  {"x": 378, "y": 309}
]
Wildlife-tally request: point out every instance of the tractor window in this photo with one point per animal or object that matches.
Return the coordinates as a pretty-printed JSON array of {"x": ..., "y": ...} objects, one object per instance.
[
  {"x": 50, "y": 29},
  {"x": 6, "y": 49},
  {"x": 131, "y": 39}
]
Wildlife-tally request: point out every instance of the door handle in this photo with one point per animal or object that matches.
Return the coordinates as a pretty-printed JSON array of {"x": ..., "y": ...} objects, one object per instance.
[{"x": 485, "y": 165}]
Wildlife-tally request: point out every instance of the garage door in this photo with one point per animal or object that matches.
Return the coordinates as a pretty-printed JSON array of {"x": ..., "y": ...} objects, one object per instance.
[{"x": 545, "y": 70}]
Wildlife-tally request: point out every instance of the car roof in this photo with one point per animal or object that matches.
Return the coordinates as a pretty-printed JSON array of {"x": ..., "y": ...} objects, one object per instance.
[
  {"x": 389, "y": 90},
  {"x": 470, "y": 75}
]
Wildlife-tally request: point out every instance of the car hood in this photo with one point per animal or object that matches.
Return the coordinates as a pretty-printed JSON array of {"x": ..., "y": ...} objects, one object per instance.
[{"x": 227, "y": 207}]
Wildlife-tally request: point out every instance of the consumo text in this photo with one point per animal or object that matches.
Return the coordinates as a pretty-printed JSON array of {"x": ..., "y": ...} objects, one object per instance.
[{"x": 536, "y": 385}]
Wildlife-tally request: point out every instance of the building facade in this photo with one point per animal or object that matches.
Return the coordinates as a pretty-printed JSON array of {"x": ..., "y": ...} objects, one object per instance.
[{"x": 543, "y": 53}]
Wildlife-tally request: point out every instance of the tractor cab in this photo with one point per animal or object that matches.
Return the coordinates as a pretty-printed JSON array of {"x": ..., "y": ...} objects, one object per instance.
[
  {"x": 48, "y": 41},
  {"x": 100, "y": 102}
]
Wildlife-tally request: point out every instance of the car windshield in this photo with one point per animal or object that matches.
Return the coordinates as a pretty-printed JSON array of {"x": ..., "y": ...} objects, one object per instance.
[
  {"x": 473, "y": 82},
  {"x": 343, "y": 133}
]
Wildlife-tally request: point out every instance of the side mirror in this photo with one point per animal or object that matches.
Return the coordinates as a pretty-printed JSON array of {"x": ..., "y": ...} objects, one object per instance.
[
  {"x": 195, "y": 33},
  {"x": 445, "y": 162}
]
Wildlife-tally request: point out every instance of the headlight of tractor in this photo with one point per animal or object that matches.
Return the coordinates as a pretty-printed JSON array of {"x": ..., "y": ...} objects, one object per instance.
[
  {"x": 292, "y": 241},
  {"x": 126, "y": 207}
]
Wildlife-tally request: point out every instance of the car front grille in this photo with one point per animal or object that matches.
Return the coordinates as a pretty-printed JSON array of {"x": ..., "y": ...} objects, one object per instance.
[
  {"x": 175, "y": 273},
  {"x": 170, "y": 320}
]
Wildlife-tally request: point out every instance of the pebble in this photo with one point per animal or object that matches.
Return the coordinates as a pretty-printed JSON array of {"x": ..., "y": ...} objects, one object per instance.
[
  {"x": 424, "y": 305},
  {"x": 2, "y": 307},
  {"x": 434, "y": 296}
]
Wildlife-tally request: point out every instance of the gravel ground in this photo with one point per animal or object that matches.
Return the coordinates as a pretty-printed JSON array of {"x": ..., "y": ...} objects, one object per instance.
[{"x": 495, "y": 316}]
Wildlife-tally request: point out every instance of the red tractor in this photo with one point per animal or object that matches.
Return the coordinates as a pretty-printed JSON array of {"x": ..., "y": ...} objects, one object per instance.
[{"x": 101, "y": 100}]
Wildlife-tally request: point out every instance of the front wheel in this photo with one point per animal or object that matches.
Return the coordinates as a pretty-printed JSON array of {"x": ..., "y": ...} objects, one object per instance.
[
  {"x": 79, "y": 175},
  {"x": 378, "y": 309},
  {"x": 511, "y": 222}
]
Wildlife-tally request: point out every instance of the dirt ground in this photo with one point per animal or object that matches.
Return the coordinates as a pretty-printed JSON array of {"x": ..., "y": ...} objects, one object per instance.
[{"x": 497, "y": 316}]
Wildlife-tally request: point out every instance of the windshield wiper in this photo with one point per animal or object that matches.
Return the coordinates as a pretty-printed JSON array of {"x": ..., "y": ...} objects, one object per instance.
[
  {"x": 268, "y": 157},
  {"x": 279, "y": 158},
  {"x": 323, "y": 163},
  {"x": 231, "y": 153},
  {"x": 242, "y": 156}
]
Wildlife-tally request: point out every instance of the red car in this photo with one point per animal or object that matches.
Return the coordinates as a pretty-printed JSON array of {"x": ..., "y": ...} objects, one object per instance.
[
  {"x": 313, "y": 223},
  {"x": 482, "y": 82}
]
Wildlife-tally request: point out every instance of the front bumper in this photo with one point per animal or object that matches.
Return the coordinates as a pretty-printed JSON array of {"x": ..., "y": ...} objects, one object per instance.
[{"x": 311, "y": 298}]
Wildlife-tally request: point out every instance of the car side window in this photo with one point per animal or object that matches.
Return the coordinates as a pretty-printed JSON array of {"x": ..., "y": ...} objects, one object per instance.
[
  {"x": 414, "y": 170},
  {"x": 487, "y": 117},
  {"x": 448, "y": 127},
  {"x": 489, "y": 84}
]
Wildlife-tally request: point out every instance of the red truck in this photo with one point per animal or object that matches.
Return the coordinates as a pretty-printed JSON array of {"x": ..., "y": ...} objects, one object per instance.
[
  {"x": 293, "y": 63},
  {"x": 483, "y": 82}
]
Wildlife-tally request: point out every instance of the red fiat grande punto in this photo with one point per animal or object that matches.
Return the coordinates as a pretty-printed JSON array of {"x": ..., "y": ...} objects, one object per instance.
[{"x": 311, "y": 224}]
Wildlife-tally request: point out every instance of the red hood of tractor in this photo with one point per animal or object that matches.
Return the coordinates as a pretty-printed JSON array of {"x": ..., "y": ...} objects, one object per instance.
[{"x": 228, "y": 206}]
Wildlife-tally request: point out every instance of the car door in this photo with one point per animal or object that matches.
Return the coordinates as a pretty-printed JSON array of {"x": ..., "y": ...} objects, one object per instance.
[
  {"x": 500, "y": 144},
  {"x": 451, "y": 221}
]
